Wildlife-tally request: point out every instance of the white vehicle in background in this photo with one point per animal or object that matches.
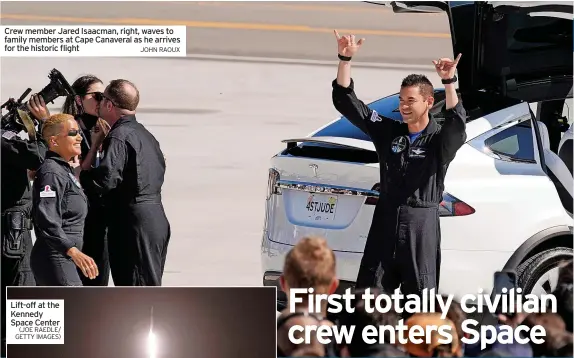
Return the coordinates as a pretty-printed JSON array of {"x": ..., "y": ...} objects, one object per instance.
[{"x": 508, "y": 195}]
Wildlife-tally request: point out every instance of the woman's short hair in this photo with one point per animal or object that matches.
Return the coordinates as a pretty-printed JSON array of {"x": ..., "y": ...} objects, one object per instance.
[{"x": 54, "y": 124}]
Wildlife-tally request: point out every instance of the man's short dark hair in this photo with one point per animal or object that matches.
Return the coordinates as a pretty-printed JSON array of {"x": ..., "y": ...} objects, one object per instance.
[
  {"x": 124, "y": 94},
  {"x": 425, "y": 86}
]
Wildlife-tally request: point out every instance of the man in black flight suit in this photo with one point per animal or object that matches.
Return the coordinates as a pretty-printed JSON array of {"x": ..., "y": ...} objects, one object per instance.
[
  {"x": 130, "y": 176},
  {"x": 18, "y": 156},
  {"x": 403, "y": 245}
]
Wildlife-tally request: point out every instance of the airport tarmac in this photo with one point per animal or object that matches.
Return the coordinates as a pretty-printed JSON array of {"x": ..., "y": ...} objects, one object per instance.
[{"x": 220, "y": 116}]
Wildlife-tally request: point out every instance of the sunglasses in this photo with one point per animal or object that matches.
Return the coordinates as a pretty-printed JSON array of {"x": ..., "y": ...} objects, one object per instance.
[
  {"x": 73, "y": 132},
  {"x": 99, "y": 96}
]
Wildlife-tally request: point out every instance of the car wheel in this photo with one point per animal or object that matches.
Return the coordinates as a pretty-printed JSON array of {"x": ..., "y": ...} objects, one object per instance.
[{"x": 539, "y": 274}]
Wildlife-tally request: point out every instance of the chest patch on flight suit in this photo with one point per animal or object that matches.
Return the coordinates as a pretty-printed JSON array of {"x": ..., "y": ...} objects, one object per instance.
[
  {"x": 417, "y": 152},
  {"x": 47, "y": 192},
  {"x": 75, "y": 180},
  {"x": 399, "y": 144}
]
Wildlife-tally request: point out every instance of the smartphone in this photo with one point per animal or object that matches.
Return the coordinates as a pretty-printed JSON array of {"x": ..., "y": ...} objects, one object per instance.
[{"x": 508, "y": 280}]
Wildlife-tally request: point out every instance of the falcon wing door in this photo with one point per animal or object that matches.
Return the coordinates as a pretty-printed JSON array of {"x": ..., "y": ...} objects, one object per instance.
[
  {"x": 557, "y": 9},
  {"x": 517, "y": 49}
]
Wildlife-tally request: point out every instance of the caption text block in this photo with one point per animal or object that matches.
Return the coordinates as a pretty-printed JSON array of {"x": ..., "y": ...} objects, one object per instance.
[
  {"x": 93, "y": 41},
  {"x": 35, "y": 322}
]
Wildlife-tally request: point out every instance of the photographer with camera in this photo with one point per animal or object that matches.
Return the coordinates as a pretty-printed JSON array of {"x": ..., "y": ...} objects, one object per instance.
[{"x": 19, "y": 155}]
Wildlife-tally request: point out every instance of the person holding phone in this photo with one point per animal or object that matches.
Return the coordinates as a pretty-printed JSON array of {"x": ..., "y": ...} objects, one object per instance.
[
  {"x": 403, "y": 245},
  {"x": 505, "y": 284}
]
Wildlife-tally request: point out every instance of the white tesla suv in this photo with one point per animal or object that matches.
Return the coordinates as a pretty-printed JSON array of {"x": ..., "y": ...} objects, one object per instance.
[{"x": 508, "y": 195}]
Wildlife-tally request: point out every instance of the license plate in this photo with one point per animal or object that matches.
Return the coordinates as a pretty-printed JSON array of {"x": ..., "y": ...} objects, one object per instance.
[{"x": 321, "y": 207}]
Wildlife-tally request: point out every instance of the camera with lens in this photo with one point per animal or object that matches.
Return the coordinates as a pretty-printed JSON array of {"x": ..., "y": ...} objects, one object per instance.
[{"x": 19, "y": 117}]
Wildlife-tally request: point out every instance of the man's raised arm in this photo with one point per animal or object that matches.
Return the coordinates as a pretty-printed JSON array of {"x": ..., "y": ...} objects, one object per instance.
[
  {"x": 344, "y": 98},
  {"x": 453, "y": 131}
]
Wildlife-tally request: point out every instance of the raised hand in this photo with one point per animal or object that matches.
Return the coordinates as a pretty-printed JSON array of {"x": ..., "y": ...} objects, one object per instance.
[
  {"x": 74, "y": 162},
  {"x": 445, "y": 67},
  {"x": 76, "y": 166},
  {"x": 99, "y": 132},
  {"x": 346, "y": 44},
  {"x": 103, "y": 125},
  {"x": 38, "y": 108}
]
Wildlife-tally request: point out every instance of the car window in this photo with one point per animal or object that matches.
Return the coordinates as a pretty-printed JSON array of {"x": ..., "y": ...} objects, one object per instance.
[
  {"x": 513, "y": 143},
  {"x": 526, "y": 44}
]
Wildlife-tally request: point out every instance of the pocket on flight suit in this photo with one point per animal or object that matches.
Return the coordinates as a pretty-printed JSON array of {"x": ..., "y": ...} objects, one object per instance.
[{"x": 13, "y": 245}]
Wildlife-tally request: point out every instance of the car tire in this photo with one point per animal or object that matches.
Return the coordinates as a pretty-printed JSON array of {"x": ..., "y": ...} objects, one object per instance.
[{"x": 530, "y": 271}]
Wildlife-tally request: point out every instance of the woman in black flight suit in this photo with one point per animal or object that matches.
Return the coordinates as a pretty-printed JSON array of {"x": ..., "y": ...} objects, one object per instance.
[
  {"x": 59, "y": 209},
  {"x": 84, "y": 108}
]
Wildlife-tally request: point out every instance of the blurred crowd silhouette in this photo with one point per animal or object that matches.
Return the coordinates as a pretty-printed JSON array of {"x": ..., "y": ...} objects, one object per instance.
[{"x": 312, "y": 264}]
